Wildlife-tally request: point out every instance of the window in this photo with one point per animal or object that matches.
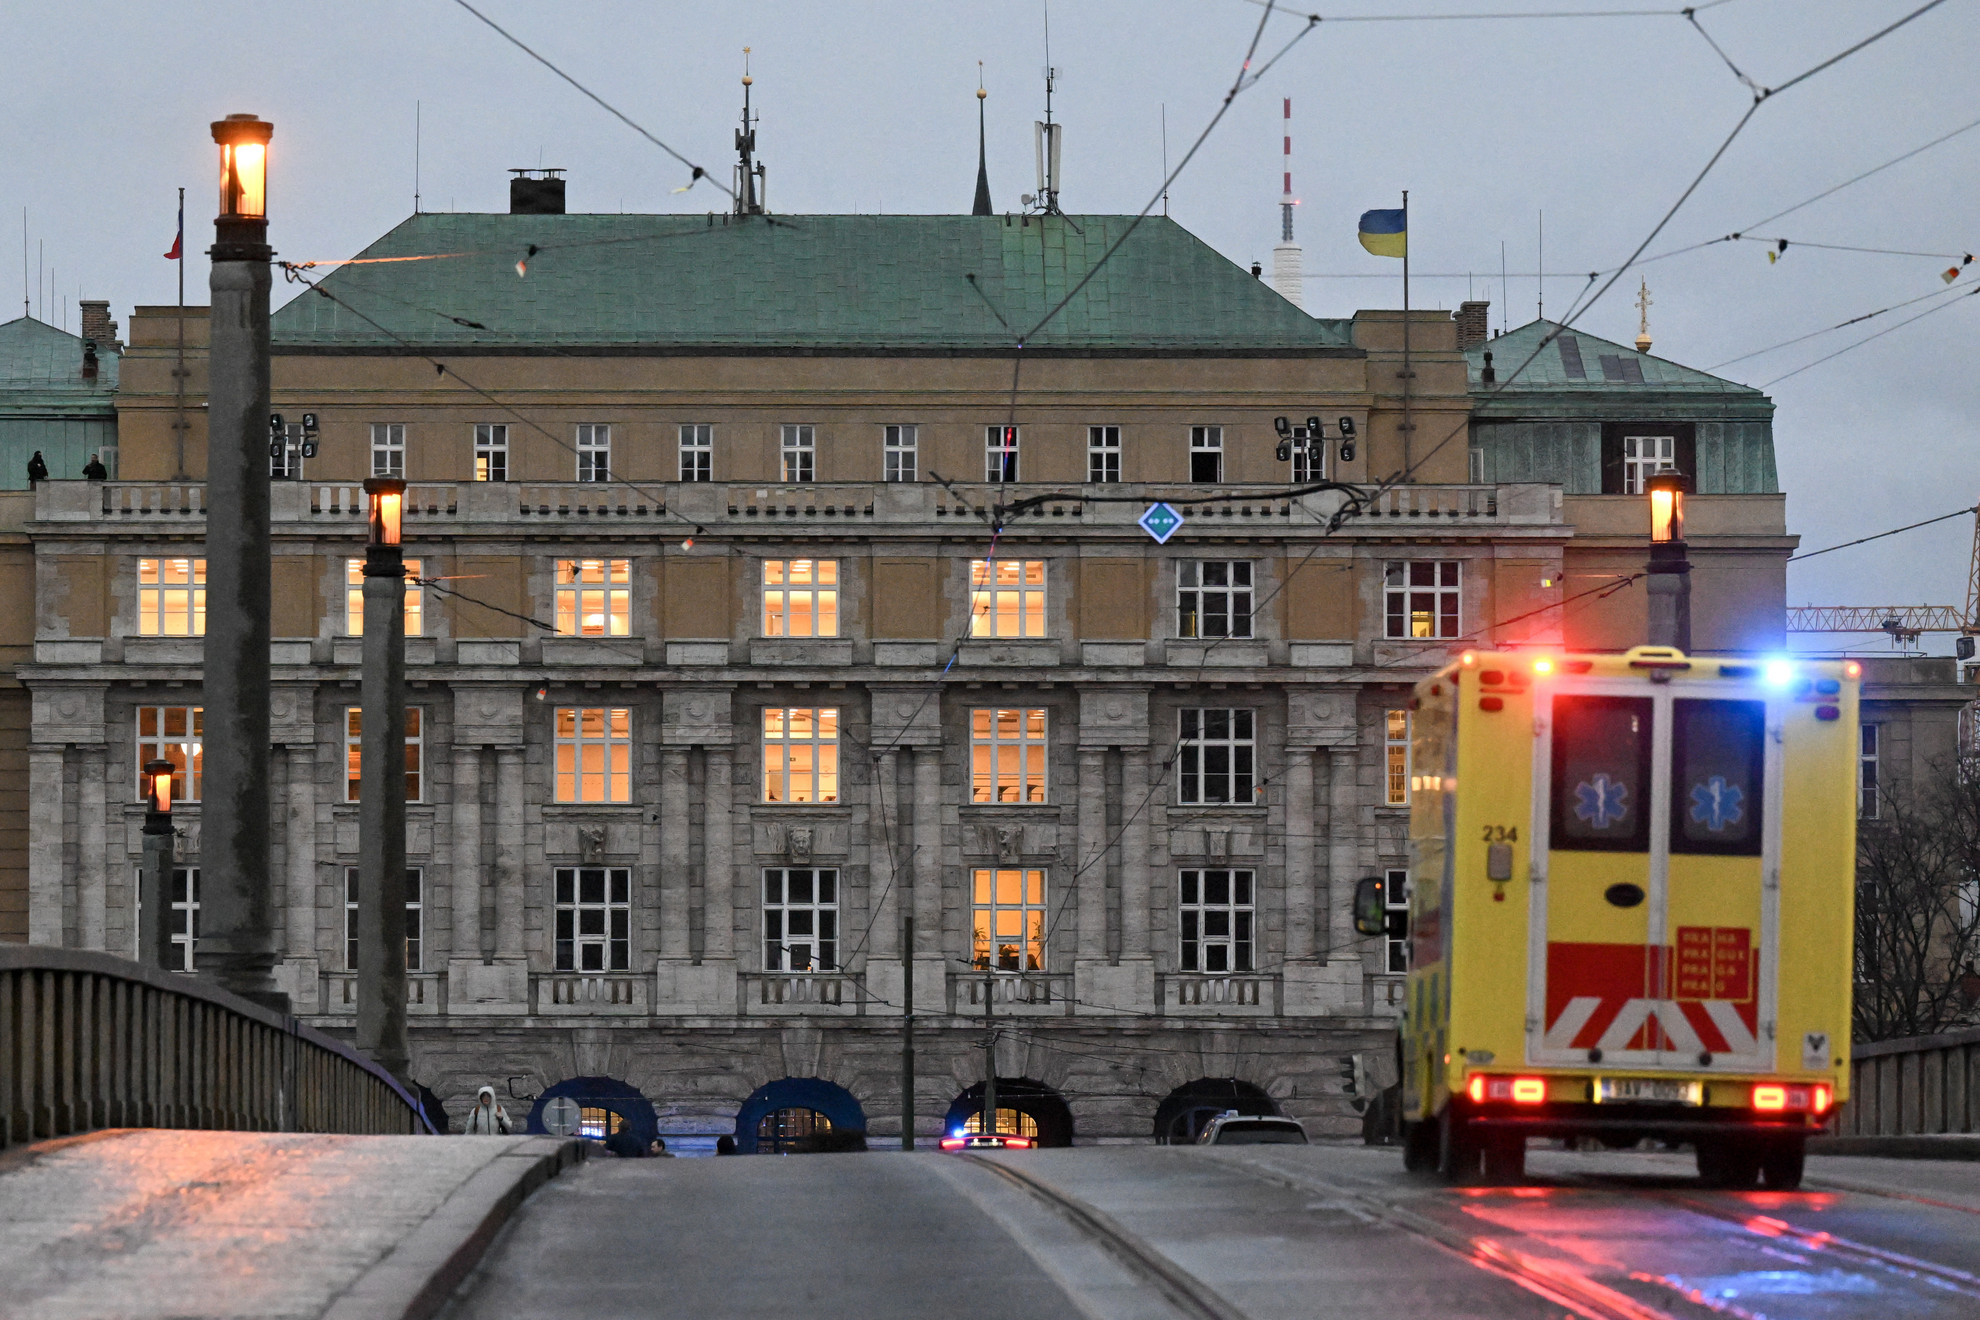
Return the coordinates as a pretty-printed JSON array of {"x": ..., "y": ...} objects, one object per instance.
[
  {"x": 1395, "y": 920},
  {"x": 1216, "y": 921},
  {"x": 185, "y": 913},
  {"x": 1395, "y": 758},
  {"x": 1477, "y": 469},
  {"x": 1213, "y": 598},
  {"x": 1000, "y": 453},
  {"x": 1422, "y": 597},
  {"x": 1866, "y": 774},
  {"x": 1644, "y": 456},
  {"x": 1206, "y": 454},
  {"x": 594, "y": 918},
  {"x": 697, "y": 452},
  {"x": 898, "y": 445},
  {"x": 1309, "y": 455},
  {"x": 1717, "y": 749},
  {"x": 594, "y": 597},
  {"x": 800, "y": 598},
  {"x": 1007, "y": 756},
  {"x": 800, "y": 919},
  {"x": 1008, "y": 1120},
  {"x": 596, "y": 1123},
  {"x": 414, "y": 928},
  {"x": 800, "y": 453},
  {"x": 1007, "y": 598},
  {"x": 789, "y": 1130},
  {"x": 800, "y": 754},
  {"x": 388, "y": 449},
  {"x": 1009, "y": 921},
  {"x": 491, "y": 453},
  {"x": 1216, "y": 755},
  {"x": 1103, "y": 454},
  {"x": 354, "y": 598},
  {"x": 594, "y": 452},
  {"x": 171, "y": 597},
  {"x": 594, "y": 754},
  {"x": 1601, "y": 773},
  {"x": 171, "y": 733},
  {"x": 354, "y": 752}
]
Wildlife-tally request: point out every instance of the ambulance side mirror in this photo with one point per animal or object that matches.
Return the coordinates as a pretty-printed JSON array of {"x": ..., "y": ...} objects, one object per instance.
[{"x": 1371, "y": 916}]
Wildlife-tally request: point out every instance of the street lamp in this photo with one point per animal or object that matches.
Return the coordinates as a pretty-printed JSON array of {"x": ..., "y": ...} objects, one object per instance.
[
  {"x": 1669, "y": 569},
  {"x": 155, "y": 894},
  {"x": 381, "y": 969},
  {"x": 243, "y": 143}
]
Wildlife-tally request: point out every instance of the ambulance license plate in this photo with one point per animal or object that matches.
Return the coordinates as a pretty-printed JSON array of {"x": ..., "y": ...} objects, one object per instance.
[{"x": 1647, "y": 1090}]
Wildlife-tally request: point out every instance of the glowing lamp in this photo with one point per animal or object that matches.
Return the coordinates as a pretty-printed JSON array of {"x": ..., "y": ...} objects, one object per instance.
[
  {"x": 1852, "y": 670},
  {"x": 158, "y": 786},
  {"x": 1666, "y": 490},
  {"x": 1542, "y": 667},
  {"x": 243, "y": 143},
  {"x": 1771, "y": 1098},
  {"x": 388, "y": 500}
]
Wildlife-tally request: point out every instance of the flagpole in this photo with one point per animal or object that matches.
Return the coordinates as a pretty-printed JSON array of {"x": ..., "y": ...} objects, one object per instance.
[
  {"x": 179, "y": 376},
  {"x": 1408, "y": 423}
]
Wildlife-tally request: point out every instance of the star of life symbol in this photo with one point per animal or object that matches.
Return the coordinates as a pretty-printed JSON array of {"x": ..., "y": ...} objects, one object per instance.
[
  {"x": 1160, "y": 522},
  {"x": 1715, "y": 804},
  {"x": 1601, "y": 801}
]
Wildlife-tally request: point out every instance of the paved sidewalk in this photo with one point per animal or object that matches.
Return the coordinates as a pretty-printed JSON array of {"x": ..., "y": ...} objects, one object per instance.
[{"x": 151, "y": 1223}]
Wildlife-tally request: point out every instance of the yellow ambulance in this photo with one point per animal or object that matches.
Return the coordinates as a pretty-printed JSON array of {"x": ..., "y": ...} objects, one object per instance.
[{"x": 1630, "y": 912}]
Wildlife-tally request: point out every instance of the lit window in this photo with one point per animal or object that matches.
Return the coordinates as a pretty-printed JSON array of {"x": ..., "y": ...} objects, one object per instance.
[
  {"x": 1213, "y": 598},
  {"x": 388, "y": 449},
  {"x": 800, "y": 919},
  {"x": 1000, "y": 453},
  {"x": 1008, "y": 1120},
  {"x": 800, "y": 754},
  {"x": 491, "y": 453},
  {"x": 1007, "y": 598},
  {"x": 171, "y": 733},
  {"x": 171, "y": 597},
  {"x": 898, "y": 445},
  {"x": 594, "y": 597},
  {"x": 697, "y": 452},
  {"x": 1421, "y": 597},
  {"x": 800, "y": 451},
  {"x": 1216, "y": 753},
  {"x": 354, "y": 751},
  {"x": 598, "y": 1123},
  {"x": 1643, "y": 457},
  {"x": 594, "y": 453},
  {"x": 1007, "y": 756},
  {"x": 1216, "y": 921},
  {"x": 1395, "y": 754},
  {"x": 800, "y": 598},
  {"x": 790, "y": 1130},
  {"x": 594, "y": 754},
  {"x": 1103, "y": 454},
  {"x": 414, "y": 910},
  {"x": 1395, "y": 903},
  {"x": 594, "y": 918},
  {"x": 1206, "y": 454},
  {"x": 1866, "y": 775},
  {"x": 1008, "y": 921},
  {"x": 354, "y": 598}
]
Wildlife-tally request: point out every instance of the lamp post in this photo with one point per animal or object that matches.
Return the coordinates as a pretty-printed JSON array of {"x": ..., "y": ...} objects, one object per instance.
[
  {"x": 381, "y": 915},
  {"x": 1670, "y": 570},
  {"x": 155, "y": 895},
  {"x": 236, "y": 896}
]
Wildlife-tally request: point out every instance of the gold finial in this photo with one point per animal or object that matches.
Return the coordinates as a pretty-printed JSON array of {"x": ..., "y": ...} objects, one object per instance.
[
  {"x": 1643, "y": 305},
  {"x": 747, "y": 80},
  {"x": 980, "y": 93}
]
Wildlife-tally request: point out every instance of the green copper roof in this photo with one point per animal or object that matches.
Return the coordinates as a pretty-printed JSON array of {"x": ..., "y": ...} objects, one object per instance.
[
  {"x": 796, "y": 283},
  {"x": 39, "y": 360},
  {"x": 1579, "y": 372}
]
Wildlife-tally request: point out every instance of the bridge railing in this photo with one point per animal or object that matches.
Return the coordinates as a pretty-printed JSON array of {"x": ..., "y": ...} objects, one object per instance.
[
  {"x": 1920, "y": 1085},
  {"x": 91, "y": 1040}
]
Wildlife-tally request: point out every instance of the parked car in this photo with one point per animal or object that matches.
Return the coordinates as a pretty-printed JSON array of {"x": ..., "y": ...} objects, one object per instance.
[{"x": 1235, "y": 1129}]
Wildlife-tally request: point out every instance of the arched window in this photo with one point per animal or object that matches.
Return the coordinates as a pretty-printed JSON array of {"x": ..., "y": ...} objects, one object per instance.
[{"x": 782, "y": 1130}]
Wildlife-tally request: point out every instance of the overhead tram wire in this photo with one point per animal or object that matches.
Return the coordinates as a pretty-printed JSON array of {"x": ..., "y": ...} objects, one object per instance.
[
  {"x": 1948, "y": 293},
  {"x": 1509, "y": 14},
  {"x": 1964, "y": 294},
  {"x": 1878, "y": 536}
]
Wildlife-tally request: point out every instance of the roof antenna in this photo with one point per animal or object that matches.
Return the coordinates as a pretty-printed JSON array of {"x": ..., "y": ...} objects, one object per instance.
[
  {"x": 981, "y": 204},
  {"x": 1049, "y": 135},
  {"x": 1165, "y": 159},
  {"x": 749, "y": 175},
  {"x": 416, "y": 109},
  {"x": 1286, "y": 256}
]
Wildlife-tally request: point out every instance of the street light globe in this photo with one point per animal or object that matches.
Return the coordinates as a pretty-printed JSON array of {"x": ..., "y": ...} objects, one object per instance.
[
  {"x": 1666, "y": 491},
  {"x": 388, "y": 498},
  {"x": 158, "y": 786},
  {"x": 243, "y": 143}
]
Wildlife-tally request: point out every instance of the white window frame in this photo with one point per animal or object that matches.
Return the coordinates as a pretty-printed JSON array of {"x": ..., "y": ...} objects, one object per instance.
[
  {"x": 697, "y": 452},
  {"x": 900, "y": 453},
  {"x": 415, "y": 918},
  {"x": 1643, "y": 457},
  {"x": 1196, "y": 592},
  {"x": 1236, "y": 946},
  {"x": 184, "y": 751},
  {"x": 491, "y": 451},
  {"x": 415, "y": 611},
  {"x": 1395, "y": 757},
  {"x": 594, "y": 451},
  {"x": 1103, "y": 455},
  {"x": 415, "y": 752},
  {"x": 988, "y": 902},
  {"x": 591, "y": 934},
  {"x": 1869, "y": 771},
  {"x": 1309, "y": 455},
  {"x": 1000, "y": 453},
  {"x": 1007, "y": 597},
  {"x": 1217, "y": 756},
  {"x": 1010, "y": 750},
  {"x": 799, "y": 452},
  {"x": 1206, "y": 443},
  {"x": 1402, "y": 594},
  {"x": 388, "y": 449},
  {"x": 1395, "y": 899},
  {"x": 800, "y": 597},
  {"x": 781, "y": 913},
  {"x": 169, "y": 580},
  {"x": 594, "y": 753},
  {"x": 589, "y": 589},
  {"x": 800, "y": 754},
  {"x": 185, "y": 912}
]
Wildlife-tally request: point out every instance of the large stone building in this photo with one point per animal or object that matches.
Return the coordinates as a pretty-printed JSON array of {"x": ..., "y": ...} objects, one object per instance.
[{"x": 726, "y": 664}]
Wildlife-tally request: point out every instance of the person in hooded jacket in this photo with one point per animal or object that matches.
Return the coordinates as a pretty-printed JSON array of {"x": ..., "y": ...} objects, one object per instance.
[{"x": 487, "y": 1118}]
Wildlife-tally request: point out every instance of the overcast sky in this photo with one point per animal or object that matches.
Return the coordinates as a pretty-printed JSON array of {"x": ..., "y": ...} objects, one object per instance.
[{"x": 1598, "y": 122}]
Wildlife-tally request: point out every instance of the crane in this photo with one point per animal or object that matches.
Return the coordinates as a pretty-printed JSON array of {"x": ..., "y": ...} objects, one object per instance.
[{"x": 1904, "y": 623}]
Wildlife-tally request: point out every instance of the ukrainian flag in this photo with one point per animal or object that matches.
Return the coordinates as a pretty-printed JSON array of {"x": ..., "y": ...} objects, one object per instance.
[{"x": 1385, "y": 233}]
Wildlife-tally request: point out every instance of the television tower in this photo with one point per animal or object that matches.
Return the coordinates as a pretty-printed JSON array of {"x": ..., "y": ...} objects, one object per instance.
[{"x": 1286, "y": 277}]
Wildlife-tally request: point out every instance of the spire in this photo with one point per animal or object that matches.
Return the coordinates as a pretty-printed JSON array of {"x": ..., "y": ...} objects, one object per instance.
[
  {"x": 982, "y": 203},
  {"x": 749, "y": 173},
  {"x": 1643, "y": 304}
]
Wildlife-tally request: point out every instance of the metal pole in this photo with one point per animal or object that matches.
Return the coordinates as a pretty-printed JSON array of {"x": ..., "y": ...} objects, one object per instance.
[
  {"x": 907, "y": 1027},
  {"x": 155, "y": 898},
  {"x": 381, "y": 969},
  {"x": 1408, "y": 371},
  {"x": 1669, "y": 588},
  {"x": 989, "y": 1050}
]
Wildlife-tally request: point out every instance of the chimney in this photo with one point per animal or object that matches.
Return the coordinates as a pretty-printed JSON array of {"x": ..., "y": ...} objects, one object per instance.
[
  {"x": 536, "y": 192},
  {"x": 97, "y": 325},
  {"x": 1472, "y": 324}
]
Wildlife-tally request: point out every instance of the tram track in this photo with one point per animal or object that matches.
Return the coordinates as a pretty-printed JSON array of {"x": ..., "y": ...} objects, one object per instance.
[{"x": 1839, "y": 1248}]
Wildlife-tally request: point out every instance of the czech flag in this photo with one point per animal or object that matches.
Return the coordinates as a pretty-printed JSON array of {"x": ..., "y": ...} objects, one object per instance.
[{"x": 1385, "y": 233}]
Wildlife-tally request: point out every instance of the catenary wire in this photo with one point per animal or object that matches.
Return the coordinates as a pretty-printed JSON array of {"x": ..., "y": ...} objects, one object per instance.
[
  {"x": 1953, "y": 302},
  {"x": 1814, "y": 334},
  {"x": 1861, "y": 540}
]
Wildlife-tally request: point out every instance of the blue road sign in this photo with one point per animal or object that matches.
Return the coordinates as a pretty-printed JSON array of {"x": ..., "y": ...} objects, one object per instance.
[{"x": 1160, "y": 522}]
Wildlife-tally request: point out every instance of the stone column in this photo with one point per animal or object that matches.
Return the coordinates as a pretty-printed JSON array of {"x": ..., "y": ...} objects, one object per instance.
[
  {"x": 883, "y": 849},
  {"x": 92, "y": 861},
  {"x": 509, "y": 888},
  {"x": 1092, "y": 862},
  {"x": 1343, "y": 831},
  {"x": 1135, "y": 883},
  {"x": 719, "y": 858},
  {"x": 674, "y": 858},
  {"x": 1300, "y": 844},
  {"x": 47, "y": 869},
  {"x": 928, "y": 858},
  {"x": 299, "y": 970},
  {"x": 466, "y": 839}
]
